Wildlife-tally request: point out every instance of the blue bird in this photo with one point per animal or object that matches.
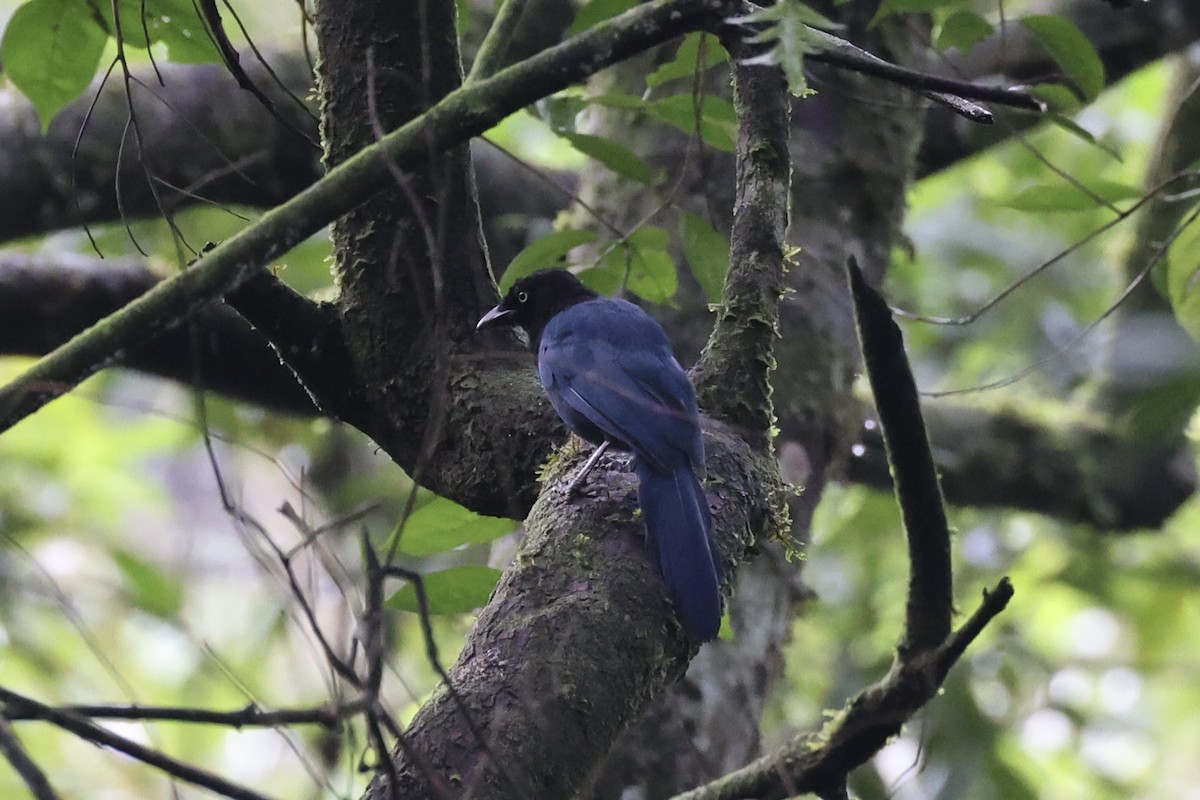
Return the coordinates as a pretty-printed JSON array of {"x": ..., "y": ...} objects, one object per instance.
[{"x": 608, "y": 370}]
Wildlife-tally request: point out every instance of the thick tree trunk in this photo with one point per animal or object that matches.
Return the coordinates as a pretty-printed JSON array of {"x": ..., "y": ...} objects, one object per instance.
[{"x": 853, "y": 147}]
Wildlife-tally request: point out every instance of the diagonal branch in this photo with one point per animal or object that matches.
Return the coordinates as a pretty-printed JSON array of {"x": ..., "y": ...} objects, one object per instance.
[
  {"x": 464, "y": 113},
  {"x": 838, "y": 52},
  {"x": 819, "y": 763},
  {"x": 576, "y": 641},
  {"x": 494, "y": 47},
  {"x": 87, "y": 730},
  {"x": 15, "y": 753},
  {"x": 44, "y": 301}
]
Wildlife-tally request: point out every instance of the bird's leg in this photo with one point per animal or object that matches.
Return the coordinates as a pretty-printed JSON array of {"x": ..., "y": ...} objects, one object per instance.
[{"x": 577, "y": 483}]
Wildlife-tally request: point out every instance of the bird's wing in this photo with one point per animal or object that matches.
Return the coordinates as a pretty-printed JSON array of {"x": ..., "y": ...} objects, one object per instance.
[{"x": 627, "y": 385}]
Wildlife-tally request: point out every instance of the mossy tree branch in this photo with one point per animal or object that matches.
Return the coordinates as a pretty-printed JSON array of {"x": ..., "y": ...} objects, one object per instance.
[
  {"x": 578, "y": 638},
  {"x": 733, "y": 376},
  {"x": 462, "y": 114},
  {"x": 494, "y": 47}
]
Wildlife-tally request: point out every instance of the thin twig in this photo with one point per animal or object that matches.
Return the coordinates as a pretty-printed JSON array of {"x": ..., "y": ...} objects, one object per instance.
[
  {"x": 30, "y": 773},
  {"x": 840, "y": 53},
  {"x": 495, "y": 44},
  {"x": 836, "y": 47},
  {"x": 252, "y": 716},
  {"x": 1012, "y": 287},
  {"x": 89, "y": 731},
  {"x": 210, "y": 15},
  {"x": 1155, "y": 257}
]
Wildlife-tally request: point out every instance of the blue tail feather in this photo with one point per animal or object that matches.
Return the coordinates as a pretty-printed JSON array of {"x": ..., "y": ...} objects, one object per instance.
[{"x": 678, "y": 524}]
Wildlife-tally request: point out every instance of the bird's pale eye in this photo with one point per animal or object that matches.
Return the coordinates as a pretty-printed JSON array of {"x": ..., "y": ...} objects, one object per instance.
[{"x": 522, "y": 297}]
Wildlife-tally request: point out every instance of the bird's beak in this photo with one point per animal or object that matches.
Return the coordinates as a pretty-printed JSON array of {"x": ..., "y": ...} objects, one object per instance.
[{"x": 491, "y": 316}]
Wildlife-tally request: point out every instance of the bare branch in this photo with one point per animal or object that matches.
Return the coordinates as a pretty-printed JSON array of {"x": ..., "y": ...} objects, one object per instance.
[
  {"x": 44, "y": 301},
  {"x": 930, "y": 589},
  {"x": 11, "y": 748},
  {"x": 819, "y": 763},
  {"x": 840, "y": 53},
  {"x": 252, "y": 716},
  {"x": 85, "y": 729}
]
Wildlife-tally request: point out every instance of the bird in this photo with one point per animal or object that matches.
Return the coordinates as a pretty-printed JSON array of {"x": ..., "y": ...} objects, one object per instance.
[{"x": 609, "y": 372}]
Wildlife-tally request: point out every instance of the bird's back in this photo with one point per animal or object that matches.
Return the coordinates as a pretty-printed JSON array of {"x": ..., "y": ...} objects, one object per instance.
[{"x": 607, "y": 366}]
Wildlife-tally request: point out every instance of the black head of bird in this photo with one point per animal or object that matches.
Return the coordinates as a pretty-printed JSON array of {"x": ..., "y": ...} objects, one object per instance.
[{"x": 534, "y": 300}]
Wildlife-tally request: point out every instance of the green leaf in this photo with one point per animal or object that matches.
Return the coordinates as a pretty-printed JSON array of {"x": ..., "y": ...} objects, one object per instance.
[
  {"x": 545, "y": 252},
  {"x": 441, "y": 525},
  {"x": 612, "y": 154},
  {"x": 1070, "y": 126},
  {"x": 178, "y": 26},
  {"x": 963, "y": 30},
  {"x": 1183, "y": 276},
  {"x": 652, "y": 274},
  {"x": 449, "y": 591},
  {"x": 150, "y": 589},
  {"x": 50, "y": 51},
  {"x": 606, "y": 276},
  {"x": 1160, "y": 412},
  {"x": 791, "y": 30},
  {"x": 559, "y": 111},
  {"x": 890, "y": 7},
  {"x": 650, "y": 236},
  {"x": 641, "y": 264},
  {"x": 1057, "y": 98},
  {"x": 707, "y": 253},
  {"x": 1074, "y": 54},
  {"x": 689, "y": 58},
  {"x": 1065, "y": 197},
  {"x": 133, "y": 25},
  {"x": 175, "y": 23},
  {"x": 716, "y": 117},
  {"x": 597, "y": 11}
]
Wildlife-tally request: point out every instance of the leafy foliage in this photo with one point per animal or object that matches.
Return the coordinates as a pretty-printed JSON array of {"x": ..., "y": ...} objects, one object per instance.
[
  {"x": 889, "y": 7},
  {"x": 50, "y": 51},
  {"x": 963, "y": 30},
  {"x": 542, "y": 253},
  {"x": 697, "y": 53},
  {"x": 1183, "y": 270},
  {"x": 787, "y": 28},
  {"x": 441, "y": 525},
  {"x": 707, "y": 251},
  {"x": 52, "y": 48},
  {"x": 1071, "y": 49},
  {"x": 120, "y": 567},
  {"x": 449, "y": 591}
]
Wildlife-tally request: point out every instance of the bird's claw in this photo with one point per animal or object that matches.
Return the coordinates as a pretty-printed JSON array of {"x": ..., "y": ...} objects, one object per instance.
[{"x": 575, "y": 487}]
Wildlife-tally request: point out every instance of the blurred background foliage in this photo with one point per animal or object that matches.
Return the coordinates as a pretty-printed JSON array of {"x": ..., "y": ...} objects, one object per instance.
[{"x": 125, "y": 577}]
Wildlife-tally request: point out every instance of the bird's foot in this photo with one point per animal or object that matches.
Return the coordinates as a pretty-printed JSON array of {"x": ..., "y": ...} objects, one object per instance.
[{"x": 574, "y": 488}]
